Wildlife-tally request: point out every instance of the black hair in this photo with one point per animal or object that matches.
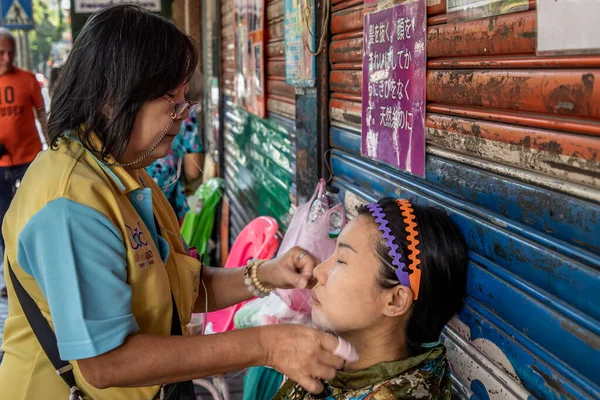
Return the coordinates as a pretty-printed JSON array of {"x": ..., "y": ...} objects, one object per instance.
[
  {"x": 123, "y": 57},
  {"x": 443, "y": 268}
]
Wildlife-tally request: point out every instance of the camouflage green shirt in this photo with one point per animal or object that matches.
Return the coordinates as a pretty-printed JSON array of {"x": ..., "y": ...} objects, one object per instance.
[{"x": 425, "y": 376}]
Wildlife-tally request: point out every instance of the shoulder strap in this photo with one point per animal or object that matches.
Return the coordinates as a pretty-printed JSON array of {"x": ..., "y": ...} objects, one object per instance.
[
  {"x": 44, "y": 334},
  {"x": 175, "y": 321},
  {"x": 185, "y": 390}
]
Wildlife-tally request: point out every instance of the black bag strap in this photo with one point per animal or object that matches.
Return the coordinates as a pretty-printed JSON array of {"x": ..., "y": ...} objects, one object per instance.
[
  {"x": 184, "y": 390},
  {"x": 44, "y": 334},
  {"x": 175, "y": 321},
  {"x": 47, "y": 338}
]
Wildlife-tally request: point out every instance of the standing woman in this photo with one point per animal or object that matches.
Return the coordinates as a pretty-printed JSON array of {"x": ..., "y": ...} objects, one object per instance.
[{"x": 93, "y": 241}]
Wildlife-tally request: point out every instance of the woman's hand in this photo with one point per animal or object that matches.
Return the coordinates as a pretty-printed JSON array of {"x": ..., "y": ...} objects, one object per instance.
[
  {"x": 293, "y": 269},
  {"x": 303, "y": 354}
]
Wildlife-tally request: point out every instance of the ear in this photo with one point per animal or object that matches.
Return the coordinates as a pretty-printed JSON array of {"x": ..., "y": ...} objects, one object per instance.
[{"x": 399, "y": 303}]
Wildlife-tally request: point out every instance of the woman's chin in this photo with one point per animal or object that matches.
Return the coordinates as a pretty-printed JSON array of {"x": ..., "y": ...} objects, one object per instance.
[
  {"x": 164, "y": 148},
  {"x": 321, "y": 321}
]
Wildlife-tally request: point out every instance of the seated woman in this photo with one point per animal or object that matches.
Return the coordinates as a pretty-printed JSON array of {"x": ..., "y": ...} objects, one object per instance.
[
  {"x": 398, "y": 275},
  {"x": 186, "y": 153}
]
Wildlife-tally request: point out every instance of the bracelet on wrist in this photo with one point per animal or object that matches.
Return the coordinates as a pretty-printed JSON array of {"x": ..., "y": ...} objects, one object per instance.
[{"x": 251, "y": 279}]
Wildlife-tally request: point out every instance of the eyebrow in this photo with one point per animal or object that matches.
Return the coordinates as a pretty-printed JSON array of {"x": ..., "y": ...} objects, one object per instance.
[{"x": 347, "y": 246}]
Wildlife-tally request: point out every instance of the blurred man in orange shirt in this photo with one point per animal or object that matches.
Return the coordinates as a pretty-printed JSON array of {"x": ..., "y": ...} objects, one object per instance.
[{"x": 20, "y": 94}]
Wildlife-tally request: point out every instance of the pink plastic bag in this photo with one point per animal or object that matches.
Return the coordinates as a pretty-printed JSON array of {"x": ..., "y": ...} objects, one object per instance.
[{"x": 313, "y": 237}]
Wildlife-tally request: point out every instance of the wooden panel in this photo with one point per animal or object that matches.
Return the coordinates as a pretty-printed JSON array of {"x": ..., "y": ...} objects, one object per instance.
[
  {"x": 347, "y": 112},
  {"x": 344, "y": 50},
  {"x": 280, "y": 88},
  {"x": 228, "y": 67},
  {"x": 574, "y": 158},
  {"x": 348, "y": 50},
  {"x": 346, "y": 81},
  {"x": 276, "y": 68},
  {"x": 227, "y": 48},
  {"x": 506, "y": 34},
  {"x": 348, "y": 97},
  {"x": 514, "y": 62},
  {"x": 275, "y": 10},
  {"x": 348, "y": 35},
  {"x": 552, "y": 122},
  {"x": 580, "y": 146},
  {"x": 564, "y": 92},
  {"x": 474, "y": 38},
  {"x": 337, "y": 6},
  {"x": 227, "y": 55},
  {"x": 281, "y": 97},
  {"x": 349, "y": 20},
  {"x": 281, "y": 106},
  {"x": 563, "y": 168},
  {"x": 561, "y": 91},
  {"x": 434, "y": 9},
  {"x": 276, "y": 49},
  {"x": 227, "y": 37},
  {"x": 347, "y": 66},
  {"x": 276, "y": 31},
  {"x": 442, "y": 19},
  {"x": 226, "y": 7}
]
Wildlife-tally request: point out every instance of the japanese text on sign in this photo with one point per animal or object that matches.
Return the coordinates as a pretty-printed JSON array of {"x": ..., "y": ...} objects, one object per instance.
[{"x": 393, "y": 123}]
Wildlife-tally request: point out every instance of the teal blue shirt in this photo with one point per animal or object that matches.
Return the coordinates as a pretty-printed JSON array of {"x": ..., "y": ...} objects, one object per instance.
[{"x": 78, "y": 258}]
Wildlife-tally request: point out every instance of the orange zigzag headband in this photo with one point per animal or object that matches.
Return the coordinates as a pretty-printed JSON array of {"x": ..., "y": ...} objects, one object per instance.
[{"x": 413, "y": 242}]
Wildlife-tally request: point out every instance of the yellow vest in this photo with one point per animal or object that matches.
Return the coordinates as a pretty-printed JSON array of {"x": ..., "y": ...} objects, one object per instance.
[{"x": 73, "y": 173}]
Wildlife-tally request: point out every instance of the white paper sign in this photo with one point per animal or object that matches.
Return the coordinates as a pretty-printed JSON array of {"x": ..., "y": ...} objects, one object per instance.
[
  {"x": 90, "y": 6},
  {"x": 568, "y": 26}
]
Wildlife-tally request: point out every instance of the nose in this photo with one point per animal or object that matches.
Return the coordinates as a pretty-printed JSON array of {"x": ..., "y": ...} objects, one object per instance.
[
  {"x": 321, "y": 271},
  {"x": 184, "y": 114}
]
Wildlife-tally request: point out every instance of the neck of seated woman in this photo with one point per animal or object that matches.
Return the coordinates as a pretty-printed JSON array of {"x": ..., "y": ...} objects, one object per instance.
[{"x": 376, "y": 345}]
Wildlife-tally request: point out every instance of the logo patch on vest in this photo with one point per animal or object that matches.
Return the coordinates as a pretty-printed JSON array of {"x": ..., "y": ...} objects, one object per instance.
[{"x": 142, "y": 253}]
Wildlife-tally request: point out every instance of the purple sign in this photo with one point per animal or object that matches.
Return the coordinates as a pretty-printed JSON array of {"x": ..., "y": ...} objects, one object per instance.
[{"x": 393, "y": 96}]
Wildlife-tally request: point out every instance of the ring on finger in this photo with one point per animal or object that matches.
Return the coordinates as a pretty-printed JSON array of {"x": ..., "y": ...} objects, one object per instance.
[{"x": 302, "y": 255}]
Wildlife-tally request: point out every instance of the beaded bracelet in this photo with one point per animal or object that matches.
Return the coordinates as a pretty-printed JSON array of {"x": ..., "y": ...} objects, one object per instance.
[{"x": 251, "y": 279}]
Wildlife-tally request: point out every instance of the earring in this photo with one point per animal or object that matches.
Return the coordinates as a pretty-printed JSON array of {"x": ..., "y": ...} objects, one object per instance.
[{"x": 387, "y": 311}]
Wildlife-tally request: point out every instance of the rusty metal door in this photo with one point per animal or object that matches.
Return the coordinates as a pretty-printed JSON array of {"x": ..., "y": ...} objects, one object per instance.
[
  {"x": 259, "y": 153},
  {"x": 513, "y": 152}
]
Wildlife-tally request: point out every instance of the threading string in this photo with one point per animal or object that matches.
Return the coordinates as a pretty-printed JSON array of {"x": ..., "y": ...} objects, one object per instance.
[
  {"x": 178, "y": 143},
  {"x": 298, "y": 318},
  {"x": 178, "y": 175},
  {"x": 197, "y": 166}
]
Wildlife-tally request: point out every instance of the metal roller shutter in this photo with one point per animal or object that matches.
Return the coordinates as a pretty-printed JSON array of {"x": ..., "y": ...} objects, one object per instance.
[
  {"x": 259, "y": 153},
  {"x": 513, "y": 157}
]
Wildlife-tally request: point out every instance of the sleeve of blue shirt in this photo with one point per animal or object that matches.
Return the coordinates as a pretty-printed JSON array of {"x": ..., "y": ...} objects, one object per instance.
[{"x": 78, "y": 258}]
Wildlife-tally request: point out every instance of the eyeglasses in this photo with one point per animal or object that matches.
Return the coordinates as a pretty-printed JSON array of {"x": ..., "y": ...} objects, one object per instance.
[{"x": 180, "y": 108}]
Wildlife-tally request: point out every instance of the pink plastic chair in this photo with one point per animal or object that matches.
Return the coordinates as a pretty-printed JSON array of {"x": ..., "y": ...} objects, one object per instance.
[{"x": 257, "y": 240}]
